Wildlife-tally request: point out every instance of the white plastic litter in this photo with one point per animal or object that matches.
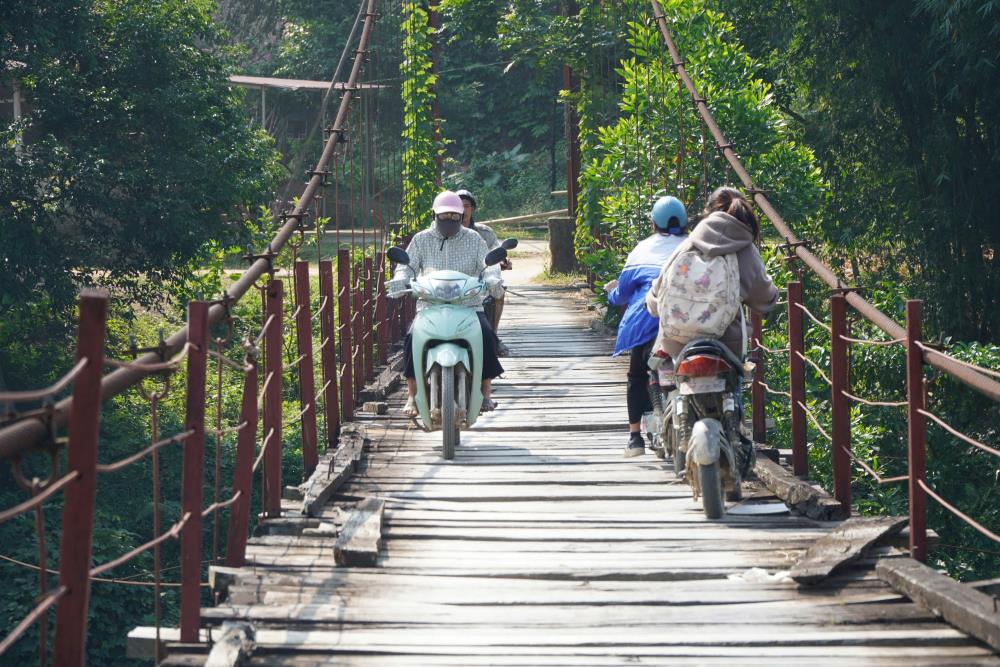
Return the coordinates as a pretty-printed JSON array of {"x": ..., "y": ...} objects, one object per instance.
[{"x": 758, "y": 575}]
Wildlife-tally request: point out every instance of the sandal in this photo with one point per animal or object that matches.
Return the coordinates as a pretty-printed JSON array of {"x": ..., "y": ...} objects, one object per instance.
[
  {"x": 410, "y": 409},
  {"x": 489, "y": 405}
]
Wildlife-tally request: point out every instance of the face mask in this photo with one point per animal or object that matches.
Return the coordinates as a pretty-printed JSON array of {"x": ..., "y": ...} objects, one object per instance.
[{"x": 448, "y": 228}]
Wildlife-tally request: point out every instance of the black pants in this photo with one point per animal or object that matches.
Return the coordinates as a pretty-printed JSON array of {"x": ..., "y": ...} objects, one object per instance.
[
  {"x": 491, "y": 362},
  {"x": 637, "y": 394}
]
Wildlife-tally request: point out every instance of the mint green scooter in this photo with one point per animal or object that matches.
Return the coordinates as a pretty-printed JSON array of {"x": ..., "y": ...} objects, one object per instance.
[{"x": 448, "y": 347}]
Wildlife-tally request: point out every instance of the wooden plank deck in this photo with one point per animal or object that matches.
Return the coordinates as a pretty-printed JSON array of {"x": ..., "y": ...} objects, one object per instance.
[{"x": 541, "y": 545}]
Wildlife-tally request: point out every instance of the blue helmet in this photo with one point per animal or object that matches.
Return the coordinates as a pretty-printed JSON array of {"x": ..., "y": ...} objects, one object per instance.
[{"x": 668, "y": 215}]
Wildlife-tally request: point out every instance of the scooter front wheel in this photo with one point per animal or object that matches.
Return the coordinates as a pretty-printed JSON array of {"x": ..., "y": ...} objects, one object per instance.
[
  {"x": 449, "y": 423},
  {"x": 710, "y": 481}
]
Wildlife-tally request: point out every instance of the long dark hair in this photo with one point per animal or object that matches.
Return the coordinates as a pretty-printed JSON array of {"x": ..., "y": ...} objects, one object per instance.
[{"x": 731, "y": 201}]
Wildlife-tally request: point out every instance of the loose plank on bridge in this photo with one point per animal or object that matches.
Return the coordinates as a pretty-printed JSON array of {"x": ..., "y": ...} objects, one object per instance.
[{"x": 541, "y": 545}]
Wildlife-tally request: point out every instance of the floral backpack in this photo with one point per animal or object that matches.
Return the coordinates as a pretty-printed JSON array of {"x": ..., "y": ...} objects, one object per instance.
[{"x": 700, "y": 295}]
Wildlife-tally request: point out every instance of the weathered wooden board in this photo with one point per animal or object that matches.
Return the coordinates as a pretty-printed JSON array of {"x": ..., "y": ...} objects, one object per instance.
[
  {"x": 360, "y": 539},
  {"x": 961, "y": 605},
  {"x": 843, "y": 545},
  {"x": 234, "y": 647}
]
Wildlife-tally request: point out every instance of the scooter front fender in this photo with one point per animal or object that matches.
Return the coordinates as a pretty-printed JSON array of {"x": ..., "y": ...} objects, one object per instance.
[
  {"x": 446, "y": 355},
  {"x": 705, "y": 444}
]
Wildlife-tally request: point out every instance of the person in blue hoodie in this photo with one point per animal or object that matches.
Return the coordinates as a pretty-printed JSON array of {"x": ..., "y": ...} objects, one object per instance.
[{"x": 638, "y": 328}]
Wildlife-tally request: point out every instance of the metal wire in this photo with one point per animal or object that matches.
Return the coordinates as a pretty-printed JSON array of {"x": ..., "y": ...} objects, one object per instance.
[
  {"x": 960, "y": 436},
  {"x": 174, "y": 532},
  {"x": 957, "y": 512},
  {"x": 871, "y": 471},
  {"x": 118, "y": 465},
  {"x": 815, "y": 421},
  {"x": 47, "y": 392},
  {"x": 813, "y": 317},
  {"x": 35, "y": 501},
  {"x": 815, "y": 367},
  {"x": 32, "y": 616},
  {"x": 774, "y": 391},
  {"x": 884, "y": 404},
  {"x": 866, "y": 341}
]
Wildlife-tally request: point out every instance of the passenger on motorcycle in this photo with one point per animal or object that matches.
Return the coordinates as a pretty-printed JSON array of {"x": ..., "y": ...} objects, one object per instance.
[
  {"x": 490, "y": 237},
  {"x": 638, "y": 328},
  {"x": 729, "y": 228},
  {"x": 448, "y": 246}
]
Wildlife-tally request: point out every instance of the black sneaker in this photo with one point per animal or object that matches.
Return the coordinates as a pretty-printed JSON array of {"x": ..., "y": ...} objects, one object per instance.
[
  {"x": 746, "y": 456},
  {"x": 636, "y": 446}
]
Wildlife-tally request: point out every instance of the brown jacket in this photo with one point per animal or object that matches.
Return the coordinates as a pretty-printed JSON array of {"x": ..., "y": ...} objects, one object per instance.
[{"x": 722, "y": 234}]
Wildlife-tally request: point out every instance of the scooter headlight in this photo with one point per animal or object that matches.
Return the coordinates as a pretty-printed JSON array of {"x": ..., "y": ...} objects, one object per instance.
[{"x": 446, "y": 290}]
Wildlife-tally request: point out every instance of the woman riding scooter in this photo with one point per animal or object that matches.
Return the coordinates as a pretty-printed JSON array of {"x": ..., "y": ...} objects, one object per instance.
[
  {"x": 638, "y": 328},
  {"x": 448, "y": 246}
]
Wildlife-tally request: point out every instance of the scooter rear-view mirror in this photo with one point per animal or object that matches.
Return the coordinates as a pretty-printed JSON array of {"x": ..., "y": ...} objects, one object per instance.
[
  {"x": 495, "y": 256},
  {"x": 509, "y": 244},
  {"x": 399, "y": 256}
]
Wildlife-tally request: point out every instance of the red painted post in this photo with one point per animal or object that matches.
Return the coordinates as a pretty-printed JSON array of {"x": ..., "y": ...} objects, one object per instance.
[
  {"x": 381, "y": 312},
  {"x": 307, "y": 380},
  {"x": 840, "y": 409},
  {"x": 328, "y": 355},
  {"x": 78, "y": 508},
  {"x": 357, "y": 354},
  {"x": 368, "y": 314},
  {"x": 193, "y": 476},
  {"x": 246, "y": 444},
  {"x": 797, "y": 380},
  {"x": 757, "y": 389},
  {"x": 273, "y": 371},
  {"x": 346, "y": 330},
  {"x": 917, "y": 431}
]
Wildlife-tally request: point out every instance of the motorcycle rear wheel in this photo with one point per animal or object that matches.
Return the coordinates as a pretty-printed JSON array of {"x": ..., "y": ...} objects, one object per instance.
[
  {"x": 449, "y": 425},
  {"x": 710, "y": 482}
]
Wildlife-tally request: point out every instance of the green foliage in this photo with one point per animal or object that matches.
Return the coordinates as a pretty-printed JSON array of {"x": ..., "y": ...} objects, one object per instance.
[
  {"x": 136, "y": 150},
  {"x": 656, "y": 145},
  {"x": 901, "y": 104},
  {"x": 420, "y": 151}
]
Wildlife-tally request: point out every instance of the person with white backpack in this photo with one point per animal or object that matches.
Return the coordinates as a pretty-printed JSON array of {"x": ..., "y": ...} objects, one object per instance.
[
  {"x": 638, "y": 328},
  {"x": 701, "y": 291}
]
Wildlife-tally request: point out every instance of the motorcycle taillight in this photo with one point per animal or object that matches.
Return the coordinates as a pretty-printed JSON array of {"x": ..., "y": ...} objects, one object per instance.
[{"x": 703, "y": 365}]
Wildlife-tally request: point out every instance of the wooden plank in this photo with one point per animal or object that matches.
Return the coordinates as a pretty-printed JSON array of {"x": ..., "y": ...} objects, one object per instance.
[
  {"x": 843, "y": 545},
  {"x": 360, "y": 539},
  {"x": 800, "y": 496},
  {"x": 234, "y": 647},
  {"x": 334, "y": 469},
  {"x": 961, "y": 605}
]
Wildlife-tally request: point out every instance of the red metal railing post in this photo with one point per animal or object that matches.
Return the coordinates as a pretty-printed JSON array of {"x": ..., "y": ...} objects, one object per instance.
[
  {"x": 344, "y": 324},
  {"x": 358, "y": 353},
  {"x": 917, "y": 430},
  {"x": 328, "y": 354},
  {"x": 239, "y": 516},
  {"x": 307, "y": 381},
  {"x": 78, "y": 508},
  {"x": 840, "y": 409},
  {"x": 381, "y": 312},
  {"x": 368, "y": 314},
  {"x": 193, "y": 475},
  {"x": 757, "y": 388},
  {"x": 797, "y": 380},
  {"x": 273, "y": 372}
]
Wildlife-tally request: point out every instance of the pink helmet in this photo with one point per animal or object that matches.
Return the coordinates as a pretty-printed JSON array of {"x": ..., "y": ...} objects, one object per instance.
[{"x": 448, "y": 202}]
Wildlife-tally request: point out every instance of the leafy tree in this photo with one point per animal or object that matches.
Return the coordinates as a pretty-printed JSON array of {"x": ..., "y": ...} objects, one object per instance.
[
  {"x": 136, "y": 150},
  {"x": 901, "y": 102}
]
